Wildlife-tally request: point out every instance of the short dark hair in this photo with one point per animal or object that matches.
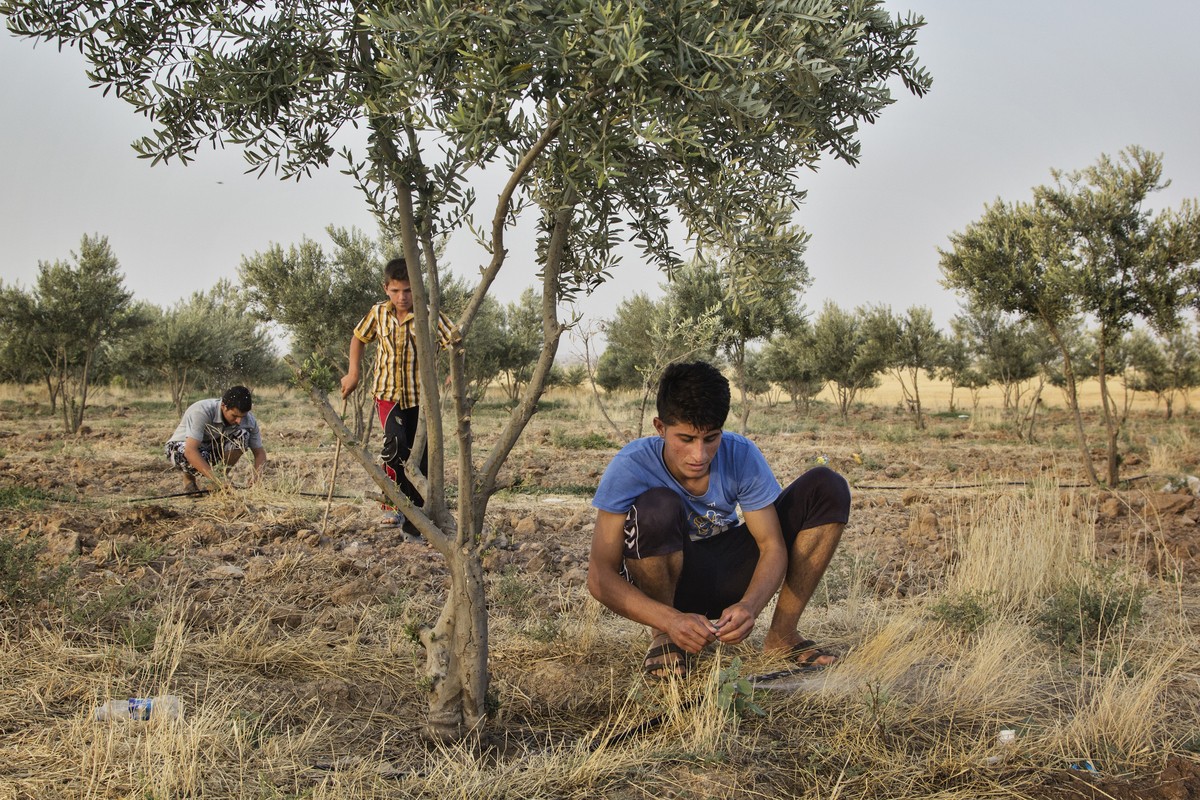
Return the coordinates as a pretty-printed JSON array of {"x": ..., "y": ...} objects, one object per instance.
[
  {"x": 395, "y": 270},
  {"x": 695, "y": 393},
  {"x": 238, "y": 397}
]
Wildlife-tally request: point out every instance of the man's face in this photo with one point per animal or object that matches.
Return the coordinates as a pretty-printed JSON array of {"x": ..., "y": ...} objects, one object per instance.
[
  {"x": 400, "y": 293},
  {"x": 687, "y": 450},
  {"x": 232, "y": 416}
]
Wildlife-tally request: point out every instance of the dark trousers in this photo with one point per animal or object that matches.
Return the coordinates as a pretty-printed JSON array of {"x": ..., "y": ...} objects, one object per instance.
[
  {"x": 717, "y": 570},
  {"x": 399, "y": 430}
]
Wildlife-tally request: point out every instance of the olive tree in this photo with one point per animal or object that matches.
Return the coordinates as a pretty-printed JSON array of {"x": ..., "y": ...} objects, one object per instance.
[
  {"x": 844, "y": 354},
  {"x": 318, "y": 296},
  {"x": 787, "y": 360},
  {"x": 1087, "y": 245},
  {"x": 206, "y": 341},
  {"x": 608, "y": 122},
  {"x": 907, "y": 346},
  {"x": 751, "y": 285},
  {"x": 71, "y": 318}
]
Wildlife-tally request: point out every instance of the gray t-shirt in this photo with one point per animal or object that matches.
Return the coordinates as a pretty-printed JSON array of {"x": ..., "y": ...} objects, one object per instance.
[{"x": 203, "y": 422}]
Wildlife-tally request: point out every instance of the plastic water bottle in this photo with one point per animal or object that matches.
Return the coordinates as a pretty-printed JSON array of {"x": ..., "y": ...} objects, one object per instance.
[
  {"x": 166, "y": 706},
  {"x": 1005, "y": 739}
]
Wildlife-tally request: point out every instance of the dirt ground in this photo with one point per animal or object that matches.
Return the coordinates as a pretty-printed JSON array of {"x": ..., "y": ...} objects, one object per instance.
[{"x": 102, "y": 501}]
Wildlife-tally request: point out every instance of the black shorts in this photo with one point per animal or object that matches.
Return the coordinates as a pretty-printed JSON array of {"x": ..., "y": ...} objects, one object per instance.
[{"x": 717, "y": 570}]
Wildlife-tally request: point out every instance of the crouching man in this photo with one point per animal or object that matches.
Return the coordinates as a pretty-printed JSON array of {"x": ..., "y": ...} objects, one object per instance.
[
  {"x": 669, "y": 551},
  {"x": 216, "y": 431}
]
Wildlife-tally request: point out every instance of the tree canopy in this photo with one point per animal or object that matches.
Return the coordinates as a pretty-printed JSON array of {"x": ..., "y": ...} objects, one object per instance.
[{"x": 1086, "y": 245}]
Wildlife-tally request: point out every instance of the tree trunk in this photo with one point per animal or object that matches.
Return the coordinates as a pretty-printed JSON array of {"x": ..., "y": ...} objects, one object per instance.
[
  {"x": 740, "y": 368},
  {"x": 456, "y": 653},
  {"x": 1073, "y": 402},
  {"x": 1108, "y": 409}
]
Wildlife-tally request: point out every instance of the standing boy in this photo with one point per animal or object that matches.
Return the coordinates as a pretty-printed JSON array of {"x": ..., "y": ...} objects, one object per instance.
[
  {"x": 397, "y": 384},
  {"x": 216, "y": 431},
  {"x": 667, "y": 517}
]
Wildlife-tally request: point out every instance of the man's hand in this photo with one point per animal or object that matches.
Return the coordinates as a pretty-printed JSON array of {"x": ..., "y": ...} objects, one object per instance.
[
  {"x": 349, "y": 383},
  {"x": 735, "y": 624},
  {"x": 692, "y": 632}
]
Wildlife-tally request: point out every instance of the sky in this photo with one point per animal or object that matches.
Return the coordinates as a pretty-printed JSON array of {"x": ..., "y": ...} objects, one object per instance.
[{"x": 1020, "y": 87}]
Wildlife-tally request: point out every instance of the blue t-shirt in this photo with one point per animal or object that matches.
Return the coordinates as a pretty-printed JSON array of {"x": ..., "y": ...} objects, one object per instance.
[{"x": 738, "y": 477}]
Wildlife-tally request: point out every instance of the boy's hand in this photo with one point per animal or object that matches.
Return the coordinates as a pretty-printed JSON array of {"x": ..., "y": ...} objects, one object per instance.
[
  {"x": 735, "y": 624},
  {"x": 349, "y": 383}
]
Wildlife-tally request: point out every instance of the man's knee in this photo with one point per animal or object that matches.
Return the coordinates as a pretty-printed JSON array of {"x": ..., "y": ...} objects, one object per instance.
[
  {"x": 833, "y": 489},
  {"x": 656, "y": 525}
]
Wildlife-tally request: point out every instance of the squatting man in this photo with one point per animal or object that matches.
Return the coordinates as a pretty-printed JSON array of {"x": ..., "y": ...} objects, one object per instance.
[
  {"x": 213, "y": 432},
  {"x": 670, "y": 552}
]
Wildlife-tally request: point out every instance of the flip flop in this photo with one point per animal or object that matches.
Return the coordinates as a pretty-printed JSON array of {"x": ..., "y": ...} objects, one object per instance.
[
  {"x": 805, "y": 653},
  {"x": 664, "y": 669}
]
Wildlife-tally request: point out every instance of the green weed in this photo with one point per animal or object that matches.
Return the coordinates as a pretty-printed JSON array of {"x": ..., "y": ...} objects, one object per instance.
[
  {"x": 967, "y": 613},
  {"x": 27, "y": 498},
  {"x": 511, "y": 592},
  {"x": 25, "y": 582},
  {"x": 586, "y": 441},
  {"x": 1085, "y": 611},
  {"x": 736, "y": 693}
]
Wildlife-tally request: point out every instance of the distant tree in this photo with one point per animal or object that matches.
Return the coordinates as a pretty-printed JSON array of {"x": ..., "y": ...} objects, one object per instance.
[
  {"x": 206, "y": 341},
  {"x": 844, "y": 354},
  {"x": 20, "y": 347},
  {"x": 318, "y": 297},
  {"x": 1128, "y": 262},
  {"x": 1168, "y": 367},
  {"x": 958, "y": 363},
  {"x": 908, "y": 346},
  {"x": 1086, "y": 245},
  {"x": 751, "y": 283},
  {"x": 631, "y": 345},
  {"x": 573, "y": 377},
  {"x": 75, "y": 313},
  {"x": 521, "y": 342},
  {"x": 609, "y": 122},
  {"x": 644, "y": 337},
  {"x": 788, "y": 360}
]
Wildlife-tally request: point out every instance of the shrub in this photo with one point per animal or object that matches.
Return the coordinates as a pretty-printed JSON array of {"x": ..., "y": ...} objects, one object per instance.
[
  {"x": 965, "y": 612},
  {"x": 23, "y": 581},
  {"x": 1087, "y": 610}
]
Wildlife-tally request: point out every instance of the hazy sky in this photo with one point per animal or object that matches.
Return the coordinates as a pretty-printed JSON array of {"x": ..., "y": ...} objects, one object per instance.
[{"x": 1020, "y": 87}]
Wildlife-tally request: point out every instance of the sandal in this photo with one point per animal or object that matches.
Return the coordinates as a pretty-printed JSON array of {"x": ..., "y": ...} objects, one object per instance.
[
  {"x": 659, "y": 666},
  {"x": 805, "y": 654}
]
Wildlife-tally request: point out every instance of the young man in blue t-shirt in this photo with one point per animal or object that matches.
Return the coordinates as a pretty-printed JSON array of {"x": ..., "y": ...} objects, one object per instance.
[{"x": 669, "y": 551}]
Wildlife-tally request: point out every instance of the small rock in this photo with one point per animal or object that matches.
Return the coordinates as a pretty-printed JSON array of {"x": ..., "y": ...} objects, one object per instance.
[
  {"x": 62, "y": 546},
  {"x": 1111, "y": 508},
  {"x": 226, "y": 572},
  {"x": 1169, "y": 504}
]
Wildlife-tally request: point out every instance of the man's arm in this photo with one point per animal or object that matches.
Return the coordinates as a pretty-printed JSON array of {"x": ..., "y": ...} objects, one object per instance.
[
  {"x": 191, "y": 451},
  {"x": 350, "y": 379},
  {"x": 260, "y": 461},
  {"x": 690, "y": 631},
  {"x": 737, "y": 621}
]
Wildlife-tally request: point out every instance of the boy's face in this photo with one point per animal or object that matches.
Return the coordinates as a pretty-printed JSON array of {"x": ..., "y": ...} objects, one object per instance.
[
  {"x": 231, "y": 415},
  {"x": 400, "y": 293},
  {"x": 687, "y": 450}
]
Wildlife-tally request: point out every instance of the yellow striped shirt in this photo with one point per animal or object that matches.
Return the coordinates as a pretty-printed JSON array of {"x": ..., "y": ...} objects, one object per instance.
[{"x": 396, "y": 376}]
